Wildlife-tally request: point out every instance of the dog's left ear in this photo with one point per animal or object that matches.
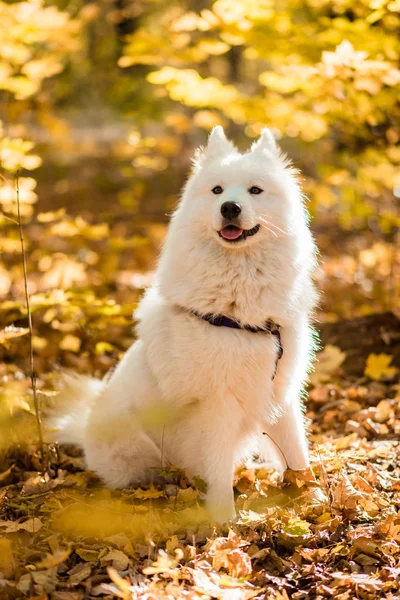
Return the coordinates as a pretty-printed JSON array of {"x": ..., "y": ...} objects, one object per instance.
[
  {"x": 265, "y": 142},
  {"x": 218, "y": 146}
]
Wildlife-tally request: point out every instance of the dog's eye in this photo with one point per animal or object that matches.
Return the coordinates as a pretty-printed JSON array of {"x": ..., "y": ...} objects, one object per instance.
[
  {"x": 217, "y": 190},
  {"x": 255, "y": 190}
]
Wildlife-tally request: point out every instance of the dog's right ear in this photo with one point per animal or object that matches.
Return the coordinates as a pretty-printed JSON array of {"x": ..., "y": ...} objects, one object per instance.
[
  {"x": 218, "y": 146},
  {"x": 265, "y": 142}
]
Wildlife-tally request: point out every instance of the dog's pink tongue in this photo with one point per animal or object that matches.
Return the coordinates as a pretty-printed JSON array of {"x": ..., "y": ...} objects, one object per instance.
[{"x": 231, "y": 233}]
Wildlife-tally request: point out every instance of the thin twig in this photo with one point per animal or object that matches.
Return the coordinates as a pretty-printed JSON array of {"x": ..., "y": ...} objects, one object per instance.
[
  {"x": 9, "y": 219},
  {"x": 28, "y": 308}
]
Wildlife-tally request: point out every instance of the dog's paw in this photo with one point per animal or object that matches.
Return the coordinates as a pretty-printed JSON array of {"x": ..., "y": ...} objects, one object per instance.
[{"x": 221, "y": 512}]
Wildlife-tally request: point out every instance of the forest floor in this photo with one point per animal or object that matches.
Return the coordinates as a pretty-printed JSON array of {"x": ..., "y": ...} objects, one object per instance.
[{"x": 64, "y": 537}]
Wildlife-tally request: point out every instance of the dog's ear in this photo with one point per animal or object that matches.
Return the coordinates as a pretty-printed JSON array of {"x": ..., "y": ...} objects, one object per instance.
[
  {"x": 218, "y": 146},
  {"x": 266, "y": 141}
]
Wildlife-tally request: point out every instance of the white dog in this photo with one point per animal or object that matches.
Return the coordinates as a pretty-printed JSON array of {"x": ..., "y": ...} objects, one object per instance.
[{"x": 205, "y": 378}]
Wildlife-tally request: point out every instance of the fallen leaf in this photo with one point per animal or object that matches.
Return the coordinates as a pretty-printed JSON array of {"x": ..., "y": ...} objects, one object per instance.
[
  {"x": 187, "y": 496},
  {"x": 345, "y": 496},
  {"x": 345, "y": 442},
  {"x": 328, "y": 362},
  {"x": 378, "y": 366},
  {"x": 296, "y": 527},
  {"x": 300, "y": 478},
  {"x": 163, "y": 564},
  {"x": 120, "y": 582},
  {"x": 120, "y": 561},
  {"x": 148, "y": 494},
  {"x": 239, "y": 563},
  {"x": 87, "y": 555},
  {"x": 79, "y": 573},
  {"x": 31, "y": 525},
  {"x": 7, "y": 561},
  {"x": 384, "y": 411},
  {"x": 11, "y": 332},
  {"x": 172, "y": 544},
  {"x": 52, "y": 560},
  {"x": 7, "y": 476},
  {"x": 70, "y": 343}
]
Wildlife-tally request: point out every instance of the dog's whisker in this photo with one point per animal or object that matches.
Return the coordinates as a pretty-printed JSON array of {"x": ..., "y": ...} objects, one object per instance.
[
  {"x": 268, "y": 229},
  {"x": 265, "y": 215},
  {"x": 271, "y": 224},
  {"x": 267, "y": 225}
]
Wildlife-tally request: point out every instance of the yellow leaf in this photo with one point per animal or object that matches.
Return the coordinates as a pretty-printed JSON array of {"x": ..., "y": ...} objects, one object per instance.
[
  {"x": 296, "y": 527},
  {"x": 12, "y": 332},
  {"x": 123, "y": 584},
  {"x": 172, "y": 544},
  {"x": 64, "y": 229},
  {"x": 326, "y": 516},
  {"x": 163, "y": 564},
  {"x": 378, "y": 366},
  {"x": 48, "y": 217},
  {"x": 103, "y": 347},
  {"x": 31, "y": 525},
  {"x": 283, "y": 83},
  {"x": 147, "y": 494},
  {"x": 384, "y": 411},
  {"x": 87, "y": 555},
  {"x": 39, "y": 343},
  {"x": 52, "y": 560},
  {"x": 71, "y": 343},
  {"x": 187, "y": 496},
  {"x": 345, "y": 496},
  {"x": 207, "y": 119},
  {"x": 210, "y": 46},
  {"x": 7, "y": 562},
  {"x": 328, "y": 362},
  {"x": 120, "y": 561}
]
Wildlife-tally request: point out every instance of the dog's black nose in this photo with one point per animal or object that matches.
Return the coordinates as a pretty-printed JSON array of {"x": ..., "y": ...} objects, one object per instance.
[{"x": 230, "y": 210}]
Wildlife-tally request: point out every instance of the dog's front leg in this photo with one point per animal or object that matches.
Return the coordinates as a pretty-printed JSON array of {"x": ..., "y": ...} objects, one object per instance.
[
  {"x": 219, "y": 469},
  {"x": 210, "y": 439},
  {"x": 220, "y": 499},
  {"x": 288, "y": 432}
]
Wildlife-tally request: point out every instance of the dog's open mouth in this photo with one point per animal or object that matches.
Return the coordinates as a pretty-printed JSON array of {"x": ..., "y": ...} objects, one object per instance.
[{"x": 231, "y": 233}]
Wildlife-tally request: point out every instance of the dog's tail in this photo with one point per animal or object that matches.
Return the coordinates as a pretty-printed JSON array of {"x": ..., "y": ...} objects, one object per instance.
[{"x": 66, "y": 424}]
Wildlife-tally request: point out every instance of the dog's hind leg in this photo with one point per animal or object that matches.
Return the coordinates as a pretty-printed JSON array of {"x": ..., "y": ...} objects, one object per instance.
[
  {"x": 116, "y": 444},
  {"x": 132, "y": 459}
]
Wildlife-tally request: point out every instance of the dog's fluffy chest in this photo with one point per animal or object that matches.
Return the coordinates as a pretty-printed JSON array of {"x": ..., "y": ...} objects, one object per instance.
[
  {"x": 251, "y": 287},
  {"x": 201, "y": 362}
]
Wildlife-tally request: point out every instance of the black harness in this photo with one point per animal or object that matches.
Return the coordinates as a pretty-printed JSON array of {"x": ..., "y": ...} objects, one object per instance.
[{"x": 269, "y": 327}]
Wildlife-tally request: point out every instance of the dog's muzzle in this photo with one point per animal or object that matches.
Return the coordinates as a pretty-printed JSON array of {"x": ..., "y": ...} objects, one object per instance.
[{"x": 232, "y": 232}]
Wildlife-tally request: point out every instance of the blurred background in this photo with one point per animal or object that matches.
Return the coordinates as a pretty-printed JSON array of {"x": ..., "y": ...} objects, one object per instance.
[{"x": 101, "y": 106}]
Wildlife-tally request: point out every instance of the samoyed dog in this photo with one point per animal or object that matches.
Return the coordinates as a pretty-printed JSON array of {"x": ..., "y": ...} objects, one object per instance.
[{"x": 224, "y": 337}]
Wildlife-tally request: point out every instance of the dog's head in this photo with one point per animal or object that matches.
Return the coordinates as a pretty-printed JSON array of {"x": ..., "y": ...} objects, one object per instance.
[{"x": 240, "y": 199}]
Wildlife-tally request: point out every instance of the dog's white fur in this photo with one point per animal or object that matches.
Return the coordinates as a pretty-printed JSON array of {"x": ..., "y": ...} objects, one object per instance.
[{"x": 191, "y": 394}]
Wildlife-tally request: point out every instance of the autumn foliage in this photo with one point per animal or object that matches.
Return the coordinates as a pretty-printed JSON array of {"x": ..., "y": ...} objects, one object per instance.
[{"x": 101, "y": 105}]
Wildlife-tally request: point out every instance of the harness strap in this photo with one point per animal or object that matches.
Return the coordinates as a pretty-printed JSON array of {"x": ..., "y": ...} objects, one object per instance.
[
  {"x": 269, "y": 327},
  {"x": 277, "y": 334}
]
